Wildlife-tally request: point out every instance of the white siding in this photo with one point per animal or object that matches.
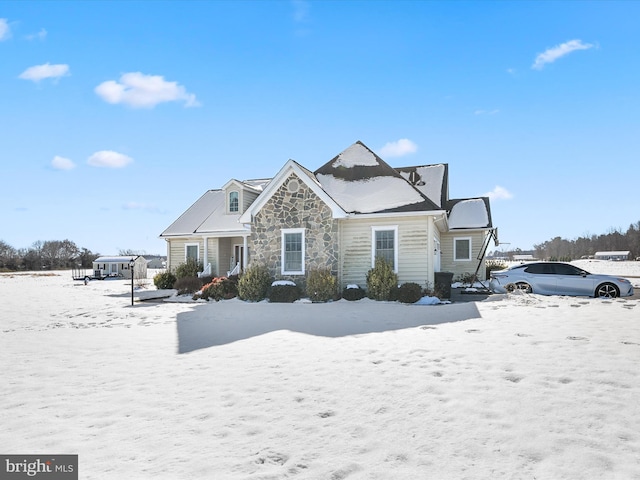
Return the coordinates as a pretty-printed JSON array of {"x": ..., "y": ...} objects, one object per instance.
[
  {"x": 356, "y": 241},
  {"x": 459, "y": 268}
]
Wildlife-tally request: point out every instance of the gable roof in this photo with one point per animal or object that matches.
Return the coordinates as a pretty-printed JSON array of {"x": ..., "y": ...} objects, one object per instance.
[
  {"x": 292, "y": 167},
  {"x": 431, "y": 180},
  {"x": 207, "y": 215},
  {"x": 361, "y": 182}
]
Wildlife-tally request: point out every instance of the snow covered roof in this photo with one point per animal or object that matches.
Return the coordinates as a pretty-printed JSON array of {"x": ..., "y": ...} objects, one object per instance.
[
  {"x": 361, "y": 182},
  {"x": 118, "y": 259},
  {"x": 206, "y": 215},
  {"x": 470, "y": 213},
  {"x": 431, "y": 180}
]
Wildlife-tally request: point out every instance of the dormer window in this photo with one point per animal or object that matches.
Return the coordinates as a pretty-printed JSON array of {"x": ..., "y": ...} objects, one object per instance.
[{"x": 234, "y": 202}]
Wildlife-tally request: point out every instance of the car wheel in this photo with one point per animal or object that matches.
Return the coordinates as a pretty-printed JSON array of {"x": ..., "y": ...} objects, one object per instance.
[
  {"x": 522, "y": 286},
  {"x": 607, "y": 290}
]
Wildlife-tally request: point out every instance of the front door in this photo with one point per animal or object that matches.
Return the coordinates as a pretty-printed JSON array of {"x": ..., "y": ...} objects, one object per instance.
[{"x": 436, "y": 255}]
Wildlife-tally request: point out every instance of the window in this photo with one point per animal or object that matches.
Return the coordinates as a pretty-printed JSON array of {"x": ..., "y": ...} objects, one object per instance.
[
  {"x": 293, "y": 251},
  {"x": 191, "y": 250},
  {"x": 462, "y": 249},
  {"x": 234, "y": 203},
  {"x": 384, "y": 242}
]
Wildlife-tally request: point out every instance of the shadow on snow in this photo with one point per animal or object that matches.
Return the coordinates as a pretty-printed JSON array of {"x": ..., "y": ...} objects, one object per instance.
[{"x": 232, "y": 320}]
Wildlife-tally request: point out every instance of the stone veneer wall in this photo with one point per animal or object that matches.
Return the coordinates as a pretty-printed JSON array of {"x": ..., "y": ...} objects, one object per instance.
[{"x": 300, "y": 209}]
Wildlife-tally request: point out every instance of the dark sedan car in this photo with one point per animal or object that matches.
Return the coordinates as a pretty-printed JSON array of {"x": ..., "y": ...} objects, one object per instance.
[{"x": 554, "y": 278}]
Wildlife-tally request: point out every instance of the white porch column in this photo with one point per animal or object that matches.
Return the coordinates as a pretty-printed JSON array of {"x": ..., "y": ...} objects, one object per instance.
[
  {"x": 206, "y": 252},
  {"x": 245, "y": 251}
]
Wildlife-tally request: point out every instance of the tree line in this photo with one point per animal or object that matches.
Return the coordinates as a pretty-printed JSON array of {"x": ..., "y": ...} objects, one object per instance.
[
  {"x": 45, "y": 255},
  {"x": 585, "y": 246},
  {"x": 50, "y": 255}
]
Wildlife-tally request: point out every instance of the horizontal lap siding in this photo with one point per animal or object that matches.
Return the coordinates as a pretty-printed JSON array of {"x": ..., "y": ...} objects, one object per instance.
[
  {"x": 459, "y": 268},
  {"x": 356, "y": 249},
  {"x": 177, "y": 251}
]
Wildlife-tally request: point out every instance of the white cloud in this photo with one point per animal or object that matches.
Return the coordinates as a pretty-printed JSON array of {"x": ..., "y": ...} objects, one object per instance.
[
  {"x": 40, "y": 72},
  {"x": 61, "y": 163},
  {"x": 41, "y": 35},
  {"x": 109, "y": 159},
  {"x": 5, "y": 31},
  {"x": 144, "y": 91},
  {"x": 499, "y": 193},
  {"x": 300, "y": 10},
  {"x": 141, "y": 206},
  {"x": 486, "y": 112},
  {"x": 559, "y": 51},
  {"x": 402, "y": 147}
]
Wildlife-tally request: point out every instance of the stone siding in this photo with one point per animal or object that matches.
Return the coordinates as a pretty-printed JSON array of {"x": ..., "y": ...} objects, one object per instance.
[{"x": 299, "y": 209}]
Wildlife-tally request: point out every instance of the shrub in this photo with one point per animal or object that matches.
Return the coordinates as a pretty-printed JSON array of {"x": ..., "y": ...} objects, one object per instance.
[
  {"x": 254, "y": 283},
  {"x": 409, "y": 292},
  {"x": 284, "y": 293},
  {"x": 190, "y": 268},
  {"x": 187, "y": 285},
  {"x": 381, "y": 280},
  {"x": 492, "y": 265},
  {"x": 466, "y": 278},
  {"x": 321, "y": 285},
  {"x": 352, "y": 294},
  {"x": 164, "y": 280},
  {"x": 220, "y": 288}
]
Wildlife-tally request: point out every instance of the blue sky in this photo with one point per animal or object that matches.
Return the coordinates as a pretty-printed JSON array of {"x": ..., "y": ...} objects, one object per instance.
[{"x": 116, "y": 116}]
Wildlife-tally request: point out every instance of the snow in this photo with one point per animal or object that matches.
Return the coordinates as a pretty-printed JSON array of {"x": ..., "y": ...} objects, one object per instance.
[
  {"x": 283, "y": 283},
  {"x": 372, "y": 195},
  {"x": 355, "y": 156},
  {"x": 433, "y": 178},
  {"x": 521, "y": 386},
  {"x": 469, "y": 214}
]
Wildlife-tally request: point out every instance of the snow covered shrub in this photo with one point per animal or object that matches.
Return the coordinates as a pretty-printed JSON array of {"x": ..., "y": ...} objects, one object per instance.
[
  {"x": 284, "y": 293},
  {"x": 220, "y": 288},
  {"x": 381, "y": 280},
  {"x": 187, "y": 285},
  {"x": 492, "y": 265},
  {"x": 466, "y": 279},
  {"x": 353, "y": 292},
  {"x": 409, "y": 292},
  {"x": 254, "y": 283},
  {"x": 321, "y": 285},
  {"x": 164, "y": 280},
  {"x": 190, "y": 268}
]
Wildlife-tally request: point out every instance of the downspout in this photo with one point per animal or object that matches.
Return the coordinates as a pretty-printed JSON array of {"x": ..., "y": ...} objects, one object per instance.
[{"x": 430, "y": 251}]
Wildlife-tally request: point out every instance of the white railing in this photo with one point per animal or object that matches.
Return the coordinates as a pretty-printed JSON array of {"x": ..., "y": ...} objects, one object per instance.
[
  {"x": 235, "y": 271},
  {"x": 206, "y": 272}
]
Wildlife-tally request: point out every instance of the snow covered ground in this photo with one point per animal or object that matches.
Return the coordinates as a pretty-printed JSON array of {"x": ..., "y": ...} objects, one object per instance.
[{"x": 518, "y": 386}]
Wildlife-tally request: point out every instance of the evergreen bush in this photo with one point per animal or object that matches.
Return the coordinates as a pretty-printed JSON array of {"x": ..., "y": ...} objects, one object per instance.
[
  {"x": 284, "y": 293},
  {"x": 254, "y": 283},
  {"x": 164, "y": 280},
  {"x": 321, "y": 285},
  {"x": 381, "y": 280},
  {"x": 190, "y": 268},
  {"x": 409, "y": 292},
  {"x": 353, "y": 294}
]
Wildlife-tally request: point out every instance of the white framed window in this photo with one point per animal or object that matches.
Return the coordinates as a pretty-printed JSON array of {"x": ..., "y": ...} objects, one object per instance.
[
  {"x": 293, "y": 251},
  {"x": 191, "y": 250},
  {"x": 462, "y": 249},
  {"x": 234, "y": 202},
  {"x": 384, "y": 243}
]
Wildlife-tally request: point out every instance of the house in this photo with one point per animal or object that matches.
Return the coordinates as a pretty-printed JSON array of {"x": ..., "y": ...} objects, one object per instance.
[
  {"x": 210, "y": 232},
  {"x": 341, "y": 216},
  {"x": 118, "y": 266},
  {"x": 618, "y": 256}
]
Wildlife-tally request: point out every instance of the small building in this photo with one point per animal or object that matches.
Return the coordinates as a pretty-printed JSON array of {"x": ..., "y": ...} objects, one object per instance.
[
  {"x": 618, "y": 256},
  {"x": 118, "y": 266},
  {"x": 524, "y": 258}
]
